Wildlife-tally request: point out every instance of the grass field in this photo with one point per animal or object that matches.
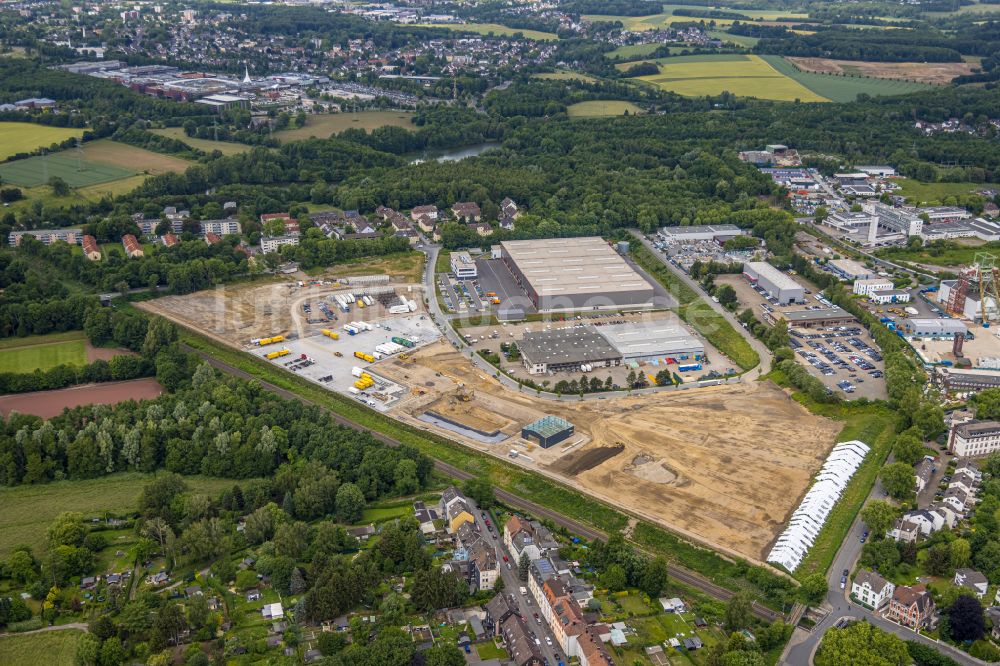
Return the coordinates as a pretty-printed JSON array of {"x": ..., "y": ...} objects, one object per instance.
[
  {"x": 739, "y": 40},
  {"x": 601, "y": 108},
  {"x": 54, "y": 648},
  {"x": 224, "y": 147},
  {"x": 631, "y": 51},
  {"x": 25, "y": 137},
  {"x": 406, "y": 266},
  {"x": 323, "y": 126},
  {"x": 842, "y": 88},
  {"x": 564, "y": 75},
  {"x": 495, "y": 28},
  {"x": 955, "y": 255},
  {"x": 41, "y": 352},
  {"x": 742, "y": 75},
  {"x": 934, "y": 193},
  {"x": 28, "y": 510},
  {"x": 101, "y": 162},
  {"x": 652, "y": 22}
]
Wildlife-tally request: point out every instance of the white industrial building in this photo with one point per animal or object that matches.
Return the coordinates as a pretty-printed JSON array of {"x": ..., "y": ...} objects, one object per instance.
[
  {"x": 868, "y": 287},
  {"x": 701, "y": 232},
  {"x": 886, "y": 296},
  {"x": 898, "y": 220},
  {"x": 851, "y": 221},
  {"x": 808, "y": 519},
  {"x": 936, "y": 329},
  {"x": 463, "y": 266},
  {"x": 971, "y": 306},
  {"x": 975, "y": 438},
  {"x": 774, "y": 283},
  {"x": 851, "y": 270},
  {"x": 653, "y": 341}
]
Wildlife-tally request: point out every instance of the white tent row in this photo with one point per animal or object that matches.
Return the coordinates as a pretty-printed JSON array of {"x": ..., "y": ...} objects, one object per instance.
[{"x": 808, "y": 519}]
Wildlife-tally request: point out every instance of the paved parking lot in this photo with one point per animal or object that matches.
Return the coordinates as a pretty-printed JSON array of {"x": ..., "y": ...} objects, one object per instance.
[
  {"x": 496, "y": 278},
  {"x": 842, "y": 358}
]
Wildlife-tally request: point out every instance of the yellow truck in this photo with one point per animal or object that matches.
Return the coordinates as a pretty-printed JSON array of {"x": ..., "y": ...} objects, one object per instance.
[
  {"x": 364, "y": 357},
  {"x": 277, "y": 354},
  {"x": 333, "y": 335}
]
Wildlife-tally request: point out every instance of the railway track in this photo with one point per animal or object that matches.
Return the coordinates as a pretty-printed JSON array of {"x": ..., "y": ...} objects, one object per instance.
[{"x": 681, "y": 574}]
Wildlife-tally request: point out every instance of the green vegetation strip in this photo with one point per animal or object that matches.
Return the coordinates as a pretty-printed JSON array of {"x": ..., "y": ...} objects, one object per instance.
[
  {"x": 876, "y": 426},
  {"x": 530, "y": 486},
  {"x": 696, "y": 312}
]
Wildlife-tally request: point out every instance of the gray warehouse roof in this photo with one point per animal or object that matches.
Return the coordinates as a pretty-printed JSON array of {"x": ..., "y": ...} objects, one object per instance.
[
  {"x": 655, "y": 338},
  {"x": 565, "y": 266},
  {"x": 811, "y": 315},
  {"x": 696, "y": 230},
  {"x": 567, "y": 345},
  {"x": 772, "y": 275}
]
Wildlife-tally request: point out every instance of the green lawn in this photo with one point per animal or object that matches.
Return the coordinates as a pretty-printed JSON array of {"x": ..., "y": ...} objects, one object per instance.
[
  {"x": 696, "y": 312},
  {"x": 41, "y": 352},
  {"x": 933, "y": 193},
  {"x": 382, "y": 514},
  {"x": 28, "y": 510},
  {"x": 951, "y": 254},
  {"x": 36, "y": 171},
  {"x": 208, "y": 145},
  {"x": 491, "y": 651},
  {"x": 16, "y": 137},
  {"x": 53, "y": 648},
  {"x": 325, "y": 125},
  {"x": 601, "y": 108},
  {"x": 843, "y": 88}
]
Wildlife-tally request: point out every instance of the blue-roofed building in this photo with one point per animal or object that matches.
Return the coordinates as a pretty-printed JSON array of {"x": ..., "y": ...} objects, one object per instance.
[{"x": 548, "y": 430}]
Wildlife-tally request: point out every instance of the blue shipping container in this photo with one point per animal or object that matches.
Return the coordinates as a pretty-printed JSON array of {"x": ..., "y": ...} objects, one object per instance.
[{"x": 689, "y": 366}]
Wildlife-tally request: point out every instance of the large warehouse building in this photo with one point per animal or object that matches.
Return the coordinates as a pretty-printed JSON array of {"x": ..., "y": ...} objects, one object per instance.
[
  {"x": 566, "y": 349},
  {"x": 653, "y": 341},
  {"x": 561, "y": 274},
  {"x": 774, "y": 283},
  {"x": 819, "y": 318},
  {"x": 701, "y": 232}
]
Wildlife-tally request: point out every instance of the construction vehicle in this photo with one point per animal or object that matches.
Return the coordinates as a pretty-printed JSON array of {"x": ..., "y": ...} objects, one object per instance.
[
  {"x": 496, "y": 301},
  {"x": 330, "y": 334},
  {"x": 361, "y": 304},
  {"x": 270, "y": 356},
  {"x": 368, "y": 358},
  {"x": 491, "y": 293},
  {"x": 463, "y": 395},
  {"x": 338, "y": 354}
]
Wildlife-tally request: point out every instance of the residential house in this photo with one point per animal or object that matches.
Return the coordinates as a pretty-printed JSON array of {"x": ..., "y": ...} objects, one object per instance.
[
  {"x": 672, "y": 605},
  {"x": 911, "y": 607},
  {"x": 212, "y": 239},
  {"x": 519, "y": 538},
  {"x": 498, "y": 609},
  {"x": 133, "y": 248},
  {"x": 484, "y": 567},
  {"x": 362, "y": 533},
  {"x": 425, "y": 517},
  {"x": 426, "y": 224},
  {"x": 170, "y": 240},
  {"x": 928, "y": 521},
  {"x": 972, "y": 579},
  {"x": 520, "y": 646},
  {"x": 430, "y": 212},
  {"x": 455, "y": 508},
  {"x": 947, "y": 512},
  {"x": 993, "y": 612},
  {"x": 90, "y": 248},
  {"x": 467, "y": 211},
  {"x": 158, "y": 579},
  {"x": 923, "y": 473},
  {"x": 270, "y": 244},
  {"x": 871, "y": 589},
  {"x": 509, "y": 209},
  {"x": 481, "y": 228},
  {"x": 959, "y": 499},
  {"x": 272, "y": 611},
  {"x": 965, "y": 481},
  {"x": 506, "y": 223},
  {"x": 904, "y": 530}
]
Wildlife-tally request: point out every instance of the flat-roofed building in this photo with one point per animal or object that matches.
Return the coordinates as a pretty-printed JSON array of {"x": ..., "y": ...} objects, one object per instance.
[
  {"x": 851, "y": 221},
  {"x": 774, "y": 283},
  {"x": 270, "y": 244},
  {"x": 934, "y": 328},
  {"x": 463, "y": 266},
  {"x": 886, "y": 296},
  {"x": 220, "y": 227},
  {"x": 653, "y": 341},
  {"x": 701, "y": 232},
  {"x": 562, "y": 274},
  {"x": 46, "y": 236},
  {"x": 548, "y": 430},
  {"x": 819, "y": 318},
  {"x": 567, "y": 349},
  {"x": 868, "y": 287},
  {"x": 850, "y": 270},
  {"x": 971, "y": 380},
  {"x": 974, "y": 438}
]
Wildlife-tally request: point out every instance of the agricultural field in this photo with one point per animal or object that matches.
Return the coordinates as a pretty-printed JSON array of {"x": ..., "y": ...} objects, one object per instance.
[
  {"x": 742, "y": 75},
  {"x": 224, "y": 147},
  {"x": 495, "y": 28},
  {"x": 57, "y": 647},
  {"x": 601, "y": 108},
  {"x": 566, "y": 75},
  {"x": 42, "y": 352},
  {"x": 631, "y": 51},
  {"x": 25, "y": 137},
  {"x": 652, "y": 22},
  {"x": 740, "y": 40},
  {"x": 842, "y": 88},
  {"x": 934, "y": 193},
  {"x": 28, "y": 510},
  {"x": 96, "y": 163},
  {"x": 323, "y": 126},
  {"x": 47, "y": 404},
  {"x": 940, "y": 73}
]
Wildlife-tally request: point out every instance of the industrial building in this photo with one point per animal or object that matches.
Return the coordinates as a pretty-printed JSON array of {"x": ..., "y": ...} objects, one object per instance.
[
  {"x": 975, "y": 438},
  {"x": 774, "y": 283},
  {"x": 887, "y": 296},
  {"x": 851, "y": 221},
  {"x": 899, "y": 220},
  {"x": 567, "y": 349},
  {"x": 702, "y": 232},
  {"x": 937, "y": 329},
  {"x": 463, "y": 267},
  {"x": 869, "y": 287},
  {"x": 956, "y": 380},
  {"x": 851, "y": 270},
  {"x": 561, "y": 274},
  {"x": 968, "y": 305},
  {"x": 819, "y": 318},
  {"x": 653, "y": 341},
  {"x": 548, "y": 430}
]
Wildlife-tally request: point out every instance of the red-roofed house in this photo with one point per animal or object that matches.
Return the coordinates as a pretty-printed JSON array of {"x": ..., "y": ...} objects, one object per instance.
[
  {"x": 211, "y": 238},
  {"x": 169, "y": 240},
  {"x": 90, "y": 249},
  {"x": 132, "y": 247}
]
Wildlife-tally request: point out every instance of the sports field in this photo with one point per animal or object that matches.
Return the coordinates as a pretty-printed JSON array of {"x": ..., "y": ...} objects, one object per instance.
[
  {"x": 323, "y": 126},
  {"x": 741, "y": 75},
  {"x": 25, "y": 137},
  {"x": 224, "y": 147},
  {"x": 495, "y": 28},
  {"x": 843, "y": 88},
  {"x": 57, "y": 647},
  {"x": 97, "y": 162},
  {"x": 601, "y": 108},
  {"x": 41, "y": 352}
]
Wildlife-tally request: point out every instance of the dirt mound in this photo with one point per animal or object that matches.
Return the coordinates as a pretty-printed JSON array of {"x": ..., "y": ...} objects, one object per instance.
[{"x": 585, "y": 459}]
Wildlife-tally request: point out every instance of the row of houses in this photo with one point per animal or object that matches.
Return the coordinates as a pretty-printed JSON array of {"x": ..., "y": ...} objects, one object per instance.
[
  {"x": 475, "y": 559},
  {"x": 958, "y": 498}
]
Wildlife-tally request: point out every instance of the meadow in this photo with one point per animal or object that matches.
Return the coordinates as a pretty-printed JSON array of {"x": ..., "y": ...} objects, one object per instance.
[
  {"x": 601, "y": 108},
  {"x": 741, "y": 75},
  {"x": 41, "y": 352},
  {"x": 494, "y": 28},
  {"x": 323, "y": 126},
  {"x": 934, "y": 193},
  {"x": 566, "y": 75},
  {"x": 28, "y": 510},
  {"x": 18, "y": 137},
  {"x": 55, "y": 648},
  {"x": 224, "y": 147}
]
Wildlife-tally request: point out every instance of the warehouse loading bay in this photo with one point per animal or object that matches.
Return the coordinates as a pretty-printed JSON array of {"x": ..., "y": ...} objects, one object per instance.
[{"x": 846, "y": 359}]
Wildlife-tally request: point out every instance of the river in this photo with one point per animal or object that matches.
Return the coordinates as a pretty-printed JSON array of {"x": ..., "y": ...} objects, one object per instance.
[{"x": 455, "y": 154}]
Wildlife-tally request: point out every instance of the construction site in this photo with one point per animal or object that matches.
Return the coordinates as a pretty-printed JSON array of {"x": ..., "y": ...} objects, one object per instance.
[{"x": 724, "y": 466}]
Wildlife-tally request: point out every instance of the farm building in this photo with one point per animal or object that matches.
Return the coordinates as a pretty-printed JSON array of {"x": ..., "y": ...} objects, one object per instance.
[
  {"x": 548, "y": 430},
  {"x": 701, "y": 232},
  {"x": 773, "y": 282},
  {"x": 567, "y": 349},
  {"x": 653, "y": 341},
  {"x": 934, "y": 328},
  {"x": 821, "y": 318},
  {"x": 463, "y": 266},
  {"x": 583, "y": 274}
]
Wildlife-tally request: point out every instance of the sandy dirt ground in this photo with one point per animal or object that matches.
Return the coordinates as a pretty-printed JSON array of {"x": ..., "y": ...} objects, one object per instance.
[
  {"x": 47, "y": 404},
  {"x": 104, "y": 353},
  {"x": 724, "y": 465},
  {"x": 938, "y": 73}
]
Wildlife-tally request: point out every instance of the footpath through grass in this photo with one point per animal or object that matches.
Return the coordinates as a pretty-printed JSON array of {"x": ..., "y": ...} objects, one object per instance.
[
  {"x": 528, "y": 485},
  {"x": 53, "y": 648},
  {"x": 696, "y": 312},
  {"x": 873, "y": 424}
]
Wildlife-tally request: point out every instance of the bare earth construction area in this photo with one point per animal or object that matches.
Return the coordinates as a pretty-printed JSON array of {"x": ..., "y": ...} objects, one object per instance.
[{"x": 937, "y": 73}]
